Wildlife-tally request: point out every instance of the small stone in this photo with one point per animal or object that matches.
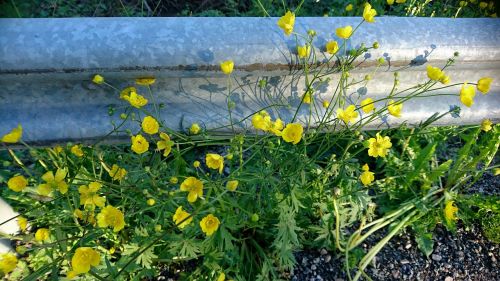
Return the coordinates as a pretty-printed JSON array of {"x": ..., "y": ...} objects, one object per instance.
[
  {"x": 313, "y": 267},
  {"x": 328, "y": 258},
  {"x": 448, "y": 278},
  {"x": 436, "y": 257},
  {"x": 316, "y": 260},
  {"x": 408, "y": 246},
  {"x": 395, "y": 274},
  {"x": 323, "y": 252},
  {"x": 405, "y": 261}
]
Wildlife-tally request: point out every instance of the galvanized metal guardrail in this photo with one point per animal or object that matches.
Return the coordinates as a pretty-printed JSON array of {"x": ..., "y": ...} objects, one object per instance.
[{"x": 46, "y": 66}]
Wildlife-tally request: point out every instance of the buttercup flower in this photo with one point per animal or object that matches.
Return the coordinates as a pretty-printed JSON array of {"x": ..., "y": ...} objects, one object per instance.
[
  {"x": 182, "y": 218},
  {"x": 151, "y": 202},
  {"x": 139, "y": 144},
  {"x": 449, "y": 211},
  {"x": 77, "y": 150},
  {"x": 8, "y": 262},
  {"x": 227, "y": 66},
  {"x": 165, "y": 144},
  {"x": 326, "y": 104},
  {"x": 483, "y": 85},
  {"x": 434, "y": 73},
  {"x": 98, "y": 79},
  {"x": 194, "y": 187},
  {"x": 390, "y": 2},
  {"x": 17, "y": 183},
  {"x": 215, "y": 161},
  {"x": 332, "y": 47},
  {"x": 369, "y": 13},
  {"x": 42, "y": 234},
  {"x": 196, "y": 164},
  {"x": 379, "y": 146},
  {"x": 173, "y": 180},
  {"x": 276, "y": 128},
  {"x": 395, "y": 108},
  {"x": 467, "y": 94},
  {"x": 83, "y": 259},
  {"x": 367, "y": 177},
  {"x": 348, "y": 8},
  {"x": 232, "y": 185},
  {"x": 292, "y": 133},
  {"x": 86, "y": 216},
  {"x": 117, "y": 173},
  {"x": 130, "y": 94},
  {"x": 307, "y": 97},
  {"x": 22, "y": 222},
  {"x": 367, "y": 105},
  {"x": 486, "y": 125},
  {"x": 14, "y": 135},
  {"x": 262, "y": 121},
  {"x": 209, "y": 224},
  {"x": 53, "y": 182},
  {"x": 150, "y": 125},
  {"x": 145, "y": 81},
  {"x": 347, "y": 115},
  {"x": 400, "y": 1},
  {"x": 89, "y": 196},
  {"x": 286, "y": 22},
  {"x": 112, "y": 217},
  {"x": 344, "y": 32},
  {"x": 445, "y": 79},
  {"x": 221, "y": 277},
  {"x": 303, "y": 51},
  {"x": 194, "y": 129}
]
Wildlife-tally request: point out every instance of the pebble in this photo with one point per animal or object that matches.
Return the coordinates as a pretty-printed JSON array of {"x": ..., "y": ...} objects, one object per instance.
[
  {"x": 313, "y": 267},
  {"x": 405, "y": 261},
  {"x": 323, "y": 252},
  {"x": 408, "y": 246},
  {"x": 448, "y": 278},
  {"x": 328, "y": 258},
  {"x": 436, "y": 257}
]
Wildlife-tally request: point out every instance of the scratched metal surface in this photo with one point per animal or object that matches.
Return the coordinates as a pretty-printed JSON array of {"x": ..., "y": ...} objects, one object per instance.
[{"x": 46, "y": 66}]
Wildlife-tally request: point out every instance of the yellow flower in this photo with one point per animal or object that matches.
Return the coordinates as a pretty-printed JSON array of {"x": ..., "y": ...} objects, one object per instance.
[
  {"x": 22, "y": 222},
  {"x": 307, "y": 98},
  {"x": 173, "y": 180},
  {"x": 348, "y": 8},
  {"x": 347, "y": 115},
  {"x": 77, "y": 150},
  {"x": 434, "y": 73},
  {"x": 496, "y": 171},
  {"x": 182, "y": 218},
  {"x": 450, "y": 211},
  {"x": 194, "y": 187},
  {"x": 232, "y": 185},
  {"x": 117, "y": 173},
  {"x": 344, "y": 32},
  {"x": 445, "y": 79},
  {"x": 86, "y": 215},
  {"x": 483, "y": 5},
  {"x": 367, "y": 105},
  {"x": 303, "y": 51},
  {"x": 276, "y": 127},
  {"x": 326, "y": 104},
  {"x": 367, "y": 177},
  {"x": 215, "y": 161},
  {"x": 150, "y": 125},
  {"x": 130, "y": 94},
  {"x": 286, "y": 22},
  {"x": 195, "y": 129},
  {"x": 227, "y": 66},
  {"x": 165, "y": 144},
  {"x": 17, "y": 183},
  {"x": 145, "y": 81},
  {"x": 89, "y": 196},
  {"x": 58, "y": 149},
  {"x": 139, "y": 144},
  {"x": 486, "y": 125},
  {"x": 467, "y": 94},
  {"x": 369, "y": 13},
  {"x": 14, "y": 135},
  {"x": 8, "y": 262},
  {"x": 42, "y": 234},
  {"x": 292, "y": 133},
  {"x": 262, "y": 121},
  {"x": 83, "y": 258},
  {"x": 332, "y": 47},
  {"x": 151, "y": 202},
  {"x": 209, "y": 224},
  {"x": 221, "y": 277},
  {"x": 196, "y": 164},
  {"x": 98, "y": 79},
  {"x": 395, "y": 108},
  {"x": 390, "y": 2},
  {"x": 379, "y": 146},
  {"x": 112, "y": 217},
  {"x": 53, "y": 182},
  {"x": 483, "y": 85},
  {"x": 400, "y": 1}
]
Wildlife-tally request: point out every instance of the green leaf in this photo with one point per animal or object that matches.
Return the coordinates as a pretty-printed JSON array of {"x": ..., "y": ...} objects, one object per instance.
[{"x": 425, "y": 242}]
